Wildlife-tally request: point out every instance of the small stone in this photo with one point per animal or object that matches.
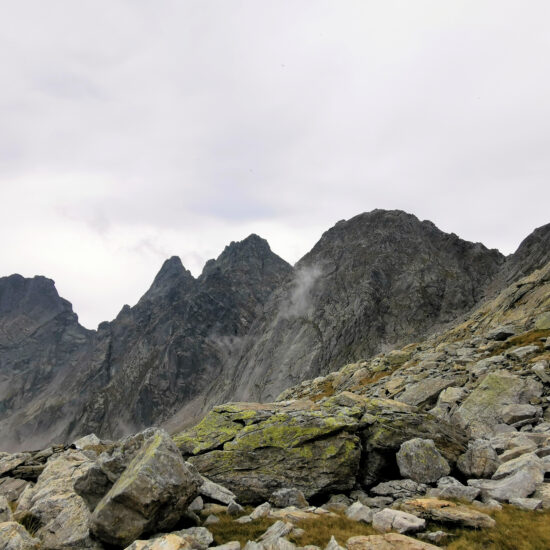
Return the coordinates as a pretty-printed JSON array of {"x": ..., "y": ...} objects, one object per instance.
[
  {"x": 14, "y": 537},
  {"x": 434, "y": 536},
  {"x": 526, "y": 503},
  {"x": 522, "y": 352},
  {"x": 333, "y": 544},
  {"x": 87, "y": 441},
  {"x": 196, "y": 505},
  {"x": 234, "y": 509},
  {"x": 402, "y": 522},
  {"x": 211, "y": 519},
  {"x": 232, "y": 545},
  {"x": 500, "y": 333},
  {"x": 359, "y": 512},
  {"x": 519, "y": 412},
  {"x": 261, "y": 511}
]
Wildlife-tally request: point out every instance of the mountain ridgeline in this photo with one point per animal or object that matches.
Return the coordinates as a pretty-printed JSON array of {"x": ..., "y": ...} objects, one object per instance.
[{"x": 247, "y": 328}]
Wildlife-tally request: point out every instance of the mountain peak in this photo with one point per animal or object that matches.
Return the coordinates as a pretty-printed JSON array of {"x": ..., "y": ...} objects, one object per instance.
[{"x": 171, "y": 274}]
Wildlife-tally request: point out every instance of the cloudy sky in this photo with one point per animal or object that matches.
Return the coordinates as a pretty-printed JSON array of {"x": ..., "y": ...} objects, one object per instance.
[{"x": 133, "y": 130}]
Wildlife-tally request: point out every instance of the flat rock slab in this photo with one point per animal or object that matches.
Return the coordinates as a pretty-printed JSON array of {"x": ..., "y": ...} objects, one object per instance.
[
  {"x": 449, "y": 513},
  {"x": 389, "y": 541}
]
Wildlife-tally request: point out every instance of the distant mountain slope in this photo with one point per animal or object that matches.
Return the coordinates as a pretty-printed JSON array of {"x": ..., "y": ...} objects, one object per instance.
[
  {"x": 380, "y": 279},
  {"x": 249, "y": 327}
]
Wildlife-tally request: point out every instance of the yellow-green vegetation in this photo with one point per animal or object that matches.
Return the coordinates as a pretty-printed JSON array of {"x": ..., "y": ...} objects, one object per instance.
[{"x": 515, "y": 530}]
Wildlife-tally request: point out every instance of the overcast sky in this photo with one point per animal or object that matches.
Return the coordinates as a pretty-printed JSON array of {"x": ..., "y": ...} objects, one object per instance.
[{"x": 134, "y": 130}]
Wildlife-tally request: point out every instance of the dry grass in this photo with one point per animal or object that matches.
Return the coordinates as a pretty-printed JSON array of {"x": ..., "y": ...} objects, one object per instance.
[
  {"x": 515, "y": 530},
  {"x": 371, "y": 379},
  {"x": 326, "y": 390},
  {"x": 227, "y": 529},
  {"x": 524, "y": 339},
  {"x": 318, "y": 532}
]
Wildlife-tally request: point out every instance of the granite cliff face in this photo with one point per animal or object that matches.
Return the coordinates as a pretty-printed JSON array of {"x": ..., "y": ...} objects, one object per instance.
[{"x": 249, "y": 327}]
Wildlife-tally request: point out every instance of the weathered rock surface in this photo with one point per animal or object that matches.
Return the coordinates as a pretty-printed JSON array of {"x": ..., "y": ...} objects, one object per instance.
[
  {"x": 482, "y": 409},
  {"x": 61, "y": 515},
  {"x": 419, "y": 460},
  {"x": 447, "y": 512},
  {"x": 14, "y": 537},
  {"x": 316, "y": 448},
  {"x": 479, "y": 460},
  {"x": 151, "y": 494},
  {"x": 397, "y": 520}
]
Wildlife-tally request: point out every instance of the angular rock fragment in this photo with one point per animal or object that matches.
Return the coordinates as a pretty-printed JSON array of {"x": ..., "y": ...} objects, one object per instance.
[{"x": 419, "y": 460}]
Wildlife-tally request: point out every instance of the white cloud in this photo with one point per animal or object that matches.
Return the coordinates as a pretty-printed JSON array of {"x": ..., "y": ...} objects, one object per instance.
[{"x": 134, "y": 130}]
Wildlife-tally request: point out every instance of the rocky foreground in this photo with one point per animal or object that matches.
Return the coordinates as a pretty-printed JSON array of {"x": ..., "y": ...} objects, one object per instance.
[{"x": 413, "y": 443}]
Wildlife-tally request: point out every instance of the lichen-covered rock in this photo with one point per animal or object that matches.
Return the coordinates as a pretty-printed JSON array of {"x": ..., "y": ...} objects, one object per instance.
[
  {"x": 481, "y": 411},
  {"x": 359, "y": 512},
  {"x": 13, "y": 536},
  {"x": 151, "y": 494},
  {"x": 419, "y": 460},
  {"x": 480, "y": 459},
  {"x": 296, "y": 444}
]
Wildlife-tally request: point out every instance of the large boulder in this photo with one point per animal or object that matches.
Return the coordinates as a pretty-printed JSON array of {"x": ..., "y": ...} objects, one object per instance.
[
  {"x": 482, "y": 410},
  {"x": 150, "y": 495},
  {"x": 419, "y": 460},
  {"x": 318, "y": 448},
  {"x": 310, "y": 448},
  {"x": 13, "y": 536},
  {"x": 59, "y": 514}
]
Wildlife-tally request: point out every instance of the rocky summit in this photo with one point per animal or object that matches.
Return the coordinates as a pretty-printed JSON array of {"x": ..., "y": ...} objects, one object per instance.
[{"x": 434, "y": 443}]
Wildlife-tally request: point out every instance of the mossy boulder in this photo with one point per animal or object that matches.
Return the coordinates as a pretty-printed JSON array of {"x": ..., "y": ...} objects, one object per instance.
[{"x": 317, "y": 448}]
